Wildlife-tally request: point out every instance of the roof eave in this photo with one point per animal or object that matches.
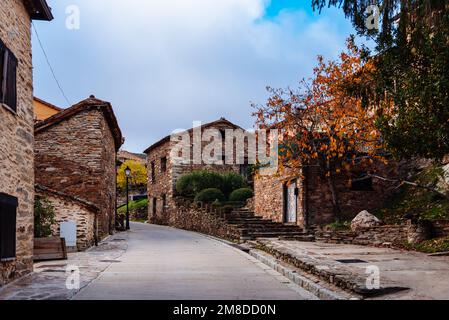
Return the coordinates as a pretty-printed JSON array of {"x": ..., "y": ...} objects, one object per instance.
[{"x": 39, "y": 10}]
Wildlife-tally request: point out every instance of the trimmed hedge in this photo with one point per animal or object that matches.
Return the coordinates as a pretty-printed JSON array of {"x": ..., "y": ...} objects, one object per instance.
[
  {"x": 242, "y": 194},
  {"x": 231, "y": 181},
  {"x": 210, "y": 195},
  {"x": 190, "y": 184}
]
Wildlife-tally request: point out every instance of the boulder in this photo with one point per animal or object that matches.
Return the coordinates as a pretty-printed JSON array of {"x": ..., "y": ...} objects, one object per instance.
[{"x": 364, "y": 220}]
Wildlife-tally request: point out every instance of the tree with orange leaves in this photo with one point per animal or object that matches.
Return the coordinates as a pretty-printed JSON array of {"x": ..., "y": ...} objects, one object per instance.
[{"x": 322, "y": 126}]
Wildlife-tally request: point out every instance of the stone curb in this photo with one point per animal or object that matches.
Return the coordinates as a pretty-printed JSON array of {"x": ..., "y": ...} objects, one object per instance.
[
  {"x": 328, "y": 271},
  {"x": 321, "y": 292}
]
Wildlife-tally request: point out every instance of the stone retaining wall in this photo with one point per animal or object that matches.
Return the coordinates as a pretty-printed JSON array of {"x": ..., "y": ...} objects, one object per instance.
[
  {"x": 190, "y": 216},
  {"x": 386, "y": 235}
]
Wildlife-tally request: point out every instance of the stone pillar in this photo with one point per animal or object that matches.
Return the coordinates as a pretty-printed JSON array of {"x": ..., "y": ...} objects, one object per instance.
[{"x": 418, "y": 231}]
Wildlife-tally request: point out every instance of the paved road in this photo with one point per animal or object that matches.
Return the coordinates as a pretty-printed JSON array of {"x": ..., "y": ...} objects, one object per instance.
[{"x": 166, "y": 263}]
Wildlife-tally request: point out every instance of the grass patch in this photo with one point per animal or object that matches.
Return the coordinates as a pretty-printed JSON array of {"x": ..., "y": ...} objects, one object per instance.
[
  {"x": 430, "y": 246},
  {"x": 419, "y": 202},
  {"x": 339, "y": 226},
  {"x": 134, "y": 205}
]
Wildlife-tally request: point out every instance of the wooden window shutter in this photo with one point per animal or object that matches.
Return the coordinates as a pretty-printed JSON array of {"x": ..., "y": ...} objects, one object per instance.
[
  {"x": 11, "y": 82},
  {"x": 8, "y": 77},
  {"x": 8, "y": 212},
  {"x": 2, "y": 69}
]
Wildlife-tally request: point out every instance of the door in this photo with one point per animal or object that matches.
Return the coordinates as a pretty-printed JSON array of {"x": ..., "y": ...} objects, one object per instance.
[{"x": 291, "y": 203}]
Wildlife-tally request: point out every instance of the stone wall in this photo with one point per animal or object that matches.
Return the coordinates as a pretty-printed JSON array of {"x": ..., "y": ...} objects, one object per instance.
[
  {"x": 269, "y": 197},
  {"x": 319, "y": 198},
  {"x": 163, "y": 184},
  {"x": 70, "y": 209},
  {"x": 190, "y": 216},
  {"x": 107, "y": 196},
  {"x": 16, "y": 138},
  {"x": 314, "y": 201},
  {"x": 77, "y": 157},
  {"x": 386, "y": 235}
]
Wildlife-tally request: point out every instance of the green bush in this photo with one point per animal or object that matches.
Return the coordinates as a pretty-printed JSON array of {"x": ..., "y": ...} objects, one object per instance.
[
  {"x": 190, "y": 184},
  {"x": 44, "y": 217},
  {"x": 134, "y": 205},
  {"x": 241, "y": 194},
  {"x": 339, "y": 226},
  {"x": 231, "y": 181},
  {"x": 210, "y": 195}
]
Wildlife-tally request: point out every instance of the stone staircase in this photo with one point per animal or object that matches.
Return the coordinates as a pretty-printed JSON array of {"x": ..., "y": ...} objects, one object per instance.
[{"x": 251, "y": 226}]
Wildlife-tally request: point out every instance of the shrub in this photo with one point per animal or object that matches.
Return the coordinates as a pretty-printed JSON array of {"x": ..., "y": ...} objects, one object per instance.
[
  {"x": 190, "y": 184},
  {"x": 210, "y": 195},
  {"x": 241, "y": 194},
  {"x": 231, "y": 181},
  {"x": 44, "y": 217},
  {"x": 134, "y": 206}
]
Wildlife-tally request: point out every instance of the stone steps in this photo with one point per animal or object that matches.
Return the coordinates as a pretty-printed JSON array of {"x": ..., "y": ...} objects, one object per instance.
[{"x": 251, "y": 226}]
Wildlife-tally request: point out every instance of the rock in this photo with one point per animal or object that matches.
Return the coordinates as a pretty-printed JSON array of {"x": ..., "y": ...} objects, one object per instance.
[
  {"x": 443, "y": 180},
  {"x": 364, "y": 220}
]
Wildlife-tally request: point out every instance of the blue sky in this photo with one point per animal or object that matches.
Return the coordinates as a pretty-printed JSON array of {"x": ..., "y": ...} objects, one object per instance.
[{"x": 166, "y": 63}]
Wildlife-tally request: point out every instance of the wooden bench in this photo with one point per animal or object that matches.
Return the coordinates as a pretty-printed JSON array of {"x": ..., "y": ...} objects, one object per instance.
[{"x": 52, "y": 248}]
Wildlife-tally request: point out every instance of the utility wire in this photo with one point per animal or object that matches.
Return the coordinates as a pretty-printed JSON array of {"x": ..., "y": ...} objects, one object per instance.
[{"x": 49, "y": 65}]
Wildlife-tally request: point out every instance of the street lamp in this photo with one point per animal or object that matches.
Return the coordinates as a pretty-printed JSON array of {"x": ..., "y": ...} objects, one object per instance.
[{"x": 127, "y": 174}]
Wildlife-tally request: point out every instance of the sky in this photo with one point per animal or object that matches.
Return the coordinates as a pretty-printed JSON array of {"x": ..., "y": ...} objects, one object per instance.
[{"x": 164, "y": 64}]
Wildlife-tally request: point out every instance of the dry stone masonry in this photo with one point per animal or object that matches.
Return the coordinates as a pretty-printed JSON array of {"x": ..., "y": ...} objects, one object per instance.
[
  {"x": 75, "y": 154},
  {"x": 16, "y": 135},
  {"x": 162, "y": 173}
]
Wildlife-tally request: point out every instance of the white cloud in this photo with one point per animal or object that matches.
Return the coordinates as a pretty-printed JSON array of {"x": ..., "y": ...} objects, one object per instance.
[{"x": 166, "y": 63}]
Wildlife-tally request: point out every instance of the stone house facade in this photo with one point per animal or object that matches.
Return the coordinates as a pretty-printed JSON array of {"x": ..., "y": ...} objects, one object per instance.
[
  {"x": 75, "y": 155},
  {"x": 16, "y": 135},
  {"x": 305, "y": 198},
  {"x": 70, "y": 208},
  {"x": 163, "y": 172}
]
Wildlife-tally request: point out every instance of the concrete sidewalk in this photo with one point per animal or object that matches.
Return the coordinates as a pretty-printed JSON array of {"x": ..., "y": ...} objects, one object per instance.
[
  {"x": 48, "y": 280},
  {"x": 402, "y": 274}
]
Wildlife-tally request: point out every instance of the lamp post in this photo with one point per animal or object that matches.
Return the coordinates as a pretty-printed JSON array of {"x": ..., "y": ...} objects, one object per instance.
[{"x": 127, "y": 174}]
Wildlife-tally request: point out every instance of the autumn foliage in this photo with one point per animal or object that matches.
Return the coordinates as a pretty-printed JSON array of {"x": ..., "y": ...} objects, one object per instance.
[
  {"x": 138, "y": 177},
  {"x": 323, "y": 126}
]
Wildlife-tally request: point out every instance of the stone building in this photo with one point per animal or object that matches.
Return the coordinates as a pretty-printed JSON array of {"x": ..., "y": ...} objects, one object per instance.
[
  {"x": 124, "y": 155},
  {"x": 75, "y": 166},
  {"x": 16, "y": 135},
  {"x": 163, "y": 172},
  {"x": 305, "y": 199}
]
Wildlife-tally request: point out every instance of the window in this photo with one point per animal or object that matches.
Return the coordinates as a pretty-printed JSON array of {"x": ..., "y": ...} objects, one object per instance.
[
  {"x": 8, "y": 72},
  {"x": 154, "y": 206},
  {"x": 8, "y": 209},
  {"x": 362, "y": 185},
  {"x": 163, "y": 164},
  {"x": 153, "y": 173},
  {"x": 164, "y": 202},
  {"x": 223, "y": 134}
]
